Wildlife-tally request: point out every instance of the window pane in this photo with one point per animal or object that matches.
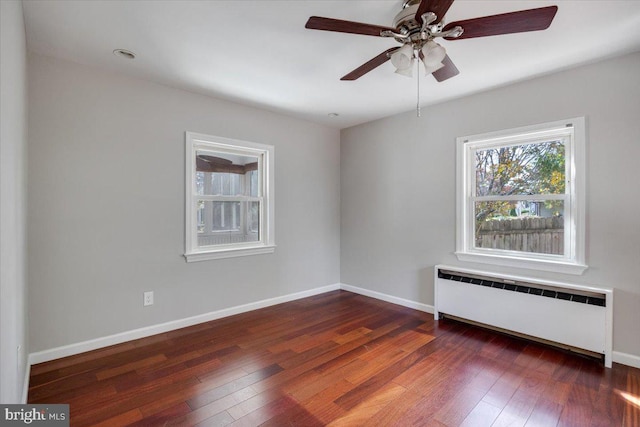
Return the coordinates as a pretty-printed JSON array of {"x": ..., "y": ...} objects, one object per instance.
[
  {"x": 254, "y": 217},
  {"x": 227, "y": 222},
  {"x": 521, "y": 169},
  {"x": 253, "y": 183},
  {"x": 200, "y": 177},
  {"x": 200, "y": 216},
  {"x": 225, "y": 216},
  {"x": 224, "y": 184},
  {"x": 526, "y": 226},
  {"x": 222, "y": 174}
]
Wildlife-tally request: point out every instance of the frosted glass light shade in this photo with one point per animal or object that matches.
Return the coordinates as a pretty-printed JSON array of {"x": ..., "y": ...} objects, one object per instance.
[
  {"x": 432, "y": 54},
  {"x": 408, "y": 72},
  {"x": 403, "y": 57}
]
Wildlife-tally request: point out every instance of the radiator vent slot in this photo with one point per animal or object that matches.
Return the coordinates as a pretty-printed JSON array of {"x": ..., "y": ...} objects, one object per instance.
[{"x": 526, "y": 288}]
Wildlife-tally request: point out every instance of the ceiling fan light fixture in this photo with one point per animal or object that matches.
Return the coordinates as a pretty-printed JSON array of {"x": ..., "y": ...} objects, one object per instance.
[
  {"x": 432, "y": 54},
  {"x": 407, "y": 72},
  {"x": 403, "y": 57}
]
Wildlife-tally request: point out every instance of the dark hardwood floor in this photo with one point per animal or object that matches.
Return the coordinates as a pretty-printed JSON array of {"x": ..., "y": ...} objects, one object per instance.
[{"x": 337, "y": 359}]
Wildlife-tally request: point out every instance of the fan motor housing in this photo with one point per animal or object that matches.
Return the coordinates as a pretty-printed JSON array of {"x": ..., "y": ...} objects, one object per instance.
[{"x": 405, "y": 20}]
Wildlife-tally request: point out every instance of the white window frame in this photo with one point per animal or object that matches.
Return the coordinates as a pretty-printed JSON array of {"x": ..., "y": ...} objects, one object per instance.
[
  {"x": 573, "y": 262},
  {"x": 265, "y": 153}
]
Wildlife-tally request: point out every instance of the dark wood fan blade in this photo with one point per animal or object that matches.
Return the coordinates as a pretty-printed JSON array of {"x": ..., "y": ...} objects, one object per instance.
[
  {"x": 370, "y": 65},
  {"x": 439, "y": 7},
  {"x": 449, "y": 70},
  {"x": 505, "y": 23},
  {"x": 338, "y": 25}
]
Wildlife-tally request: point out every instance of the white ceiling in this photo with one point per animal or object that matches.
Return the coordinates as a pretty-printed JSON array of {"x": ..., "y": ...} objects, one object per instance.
[{"x": 259, "y": 53}]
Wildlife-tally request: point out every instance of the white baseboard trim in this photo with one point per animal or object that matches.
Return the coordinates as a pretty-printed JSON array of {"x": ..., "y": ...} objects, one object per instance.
[
  {"x": 626, "y": 359},
  {"x": 81, "y": 347},
  {"x": 388, "y": 298}
]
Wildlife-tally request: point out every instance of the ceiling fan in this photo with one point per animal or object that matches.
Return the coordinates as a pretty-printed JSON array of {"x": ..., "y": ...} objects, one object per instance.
[{"x": 420, "y": 22}]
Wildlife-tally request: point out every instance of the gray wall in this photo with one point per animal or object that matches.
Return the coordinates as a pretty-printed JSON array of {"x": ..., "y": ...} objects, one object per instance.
[
  {"x": 13, "y": 143},
  {"x": 106, "y": 196},
  {"x": 398, "y": 185}
]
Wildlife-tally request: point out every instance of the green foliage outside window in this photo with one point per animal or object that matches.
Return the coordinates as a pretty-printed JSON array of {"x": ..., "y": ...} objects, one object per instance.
[{"x": 537, "y": 168}]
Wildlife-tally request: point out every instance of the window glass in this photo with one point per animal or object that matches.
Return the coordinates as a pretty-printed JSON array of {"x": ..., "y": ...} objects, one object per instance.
[
  {"x": 521, "y": 169},
  {"x": 522, "y": 225}
]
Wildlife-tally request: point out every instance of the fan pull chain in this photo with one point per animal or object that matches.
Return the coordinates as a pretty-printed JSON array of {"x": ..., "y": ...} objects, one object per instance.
[{"x": 418, "y": 96}]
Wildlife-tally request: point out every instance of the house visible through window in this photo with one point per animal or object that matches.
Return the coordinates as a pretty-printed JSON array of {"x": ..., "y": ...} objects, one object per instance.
[
  {"x": 520, "y": 197},
  {"x": 229, "y": 198}
]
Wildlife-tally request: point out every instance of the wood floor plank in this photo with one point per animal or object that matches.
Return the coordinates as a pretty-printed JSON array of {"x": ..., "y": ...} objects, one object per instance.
[
  {"x": 631, "y": 415},
  {"x": 436, "y": 393},
  {"x": 164, "y": 416},
  {"x": 186, "y": 378},
  {"x": 213, "y": 408},
  {"x": 505, "y": 387},
  {"x": 456, "y": 409},
  {"x": 123, "y": 419},
  {"x": 420, "y": 414},
  {"x": 337, "y": 359},
  {"x": 557, "y": 392},
  {"x": 351, "y": 335},
  {"x": 95, "y": 363},
  {"x": 180, "y": 396},
  {"x": 575, "y": 415},
  {"x": 375, "y": 382},
  {"x": 354, "y": 348},
  {"x": 320, "y": 381},
  {"x": 295, "y": 416},
  {"x": 519, "y": 408},
  {"x": 325, "y": 359},
  {"x": 253, "y": 403},
  {"x": 482, "y": 415},
  {"x": 75, "y": 362},
  {"x": 545, "y": 413},
  {"x": 66, "y": 384},
  {"x": 233, "y": 386},
  {"x": 371, "y": 368},
  {"x": 87, "y": 414},
  {"x": 218, "y": 420},
  {"x": 397, "y": 408},
  {"x": 365, "y": 412},
  {"x": 322, "y": 405},
  {"x": 266, "y": 412}
]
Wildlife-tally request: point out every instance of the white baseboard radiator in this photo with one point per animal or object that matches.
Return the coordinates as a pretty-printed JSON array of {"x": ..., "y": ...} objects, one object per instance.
[{"x": 571, "y": 316}]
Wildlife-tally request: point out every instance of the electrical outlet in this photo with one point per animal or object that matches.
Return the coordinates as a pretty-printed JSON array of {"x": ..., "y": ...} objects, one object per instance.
[{"x": 148, "y": 298}]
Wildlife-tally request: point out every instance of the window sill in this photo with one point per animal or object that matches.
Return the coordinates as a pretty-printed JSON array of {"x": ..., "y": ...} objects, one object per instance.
[
  {"x": 532, "y": 264},
  {"x": 228, "y": 253}
]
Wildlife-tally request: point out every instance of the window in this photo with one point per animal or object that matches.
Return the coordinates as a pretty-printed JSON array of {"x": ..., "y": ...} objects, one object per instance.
[
  {"x": 521, "y": 197},
  {"x": 229, "y": 198}
]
